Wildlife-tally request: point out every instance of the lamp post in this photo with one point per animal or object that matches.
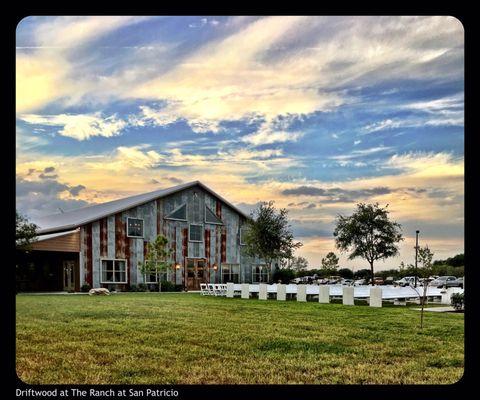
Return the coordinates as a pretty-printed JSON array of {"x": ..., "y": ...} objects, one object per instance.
[
  {"x": 416, "y": 255},
  {"x": 215, "y": 268}
]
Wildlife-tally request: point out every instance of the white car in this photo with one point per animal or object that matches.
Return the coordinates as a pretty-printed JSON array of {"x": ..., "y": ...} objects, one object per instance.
[
  {"x": 407, "y": 281},
  {"x": 359, "y": 282}
]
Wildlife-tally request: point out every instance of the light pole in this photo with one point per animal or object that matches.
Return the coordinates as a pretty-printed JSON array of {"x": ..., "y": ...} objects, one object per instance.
[{"x": 416, "y": 255}]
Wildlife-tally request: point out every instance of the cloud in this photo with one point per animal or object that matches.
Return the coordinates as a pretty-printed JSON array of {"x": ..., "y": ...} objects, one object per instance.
[
  {"x": 335, "y": 195},
  {"x": 39, "y": 198},
  {"x": 361, "y": 153},
  {"x": 79, "y": 126}
]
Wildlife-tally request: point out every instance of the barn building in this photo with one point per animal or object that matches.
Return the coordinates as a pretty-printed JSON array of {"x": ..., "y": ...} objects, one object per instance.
[{"x": 103, "y": 244}]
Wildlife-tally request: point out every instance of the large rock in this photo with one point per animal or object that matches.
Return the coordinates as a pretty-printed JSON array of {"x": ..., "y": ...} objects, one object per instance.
[{"x": 100, "y": 291}]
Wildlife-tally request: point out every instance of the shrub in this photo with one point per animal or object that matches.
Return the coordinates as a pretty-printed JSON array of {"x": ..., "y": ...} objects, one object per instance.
[
  {"x": 142, "y": 287},
  {"x": 457, "y": 301},
  {"x": 133, "y": 288},
  {"x": 283, "y": 274},
  {"x": 85, "y": 287},
  {"x": 167, "y": 286}
]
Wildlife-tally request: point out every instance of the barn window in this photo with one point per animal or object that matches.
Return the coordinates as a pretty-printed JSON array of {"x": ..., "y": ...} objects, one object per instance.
[
  {"x": 260, "y": 274},
  {"x": 211, "y": 218},
  {"x": 231, "y": 273},
  {"x": 114, "y": 271},
  {"x": 179, "y": 213},
  {"x": 195, "y": 233},
  {"x": 135, "y": 227},
  {"x": 243, "y": 233}
]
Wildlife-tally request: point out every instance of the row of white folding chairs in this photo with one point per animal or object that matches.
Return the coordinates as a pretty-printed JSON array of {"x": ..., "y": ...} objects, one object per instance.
[{"x": 213, "y": 289}]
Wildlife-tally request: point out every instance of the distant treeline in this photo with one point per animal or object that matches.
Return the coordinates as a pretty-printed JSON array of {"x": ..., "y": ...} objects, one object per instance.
[{"x": 453, "y": 266}]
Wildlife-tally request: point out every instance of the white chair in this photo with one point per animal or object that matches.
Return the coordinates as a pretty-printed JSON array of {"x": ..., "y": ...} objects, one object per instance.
[
  {"x": 217, "y": 288},
  {"x": 204, "y": 289},
  {"x": 211, "y": 289},
  {"x": 224, "y": 289}
]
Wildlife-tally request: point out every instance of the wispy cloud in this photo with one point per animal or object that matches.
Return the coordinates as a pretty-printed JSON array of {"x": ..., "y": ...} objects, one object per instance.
[{"x": 80, "y": 126}]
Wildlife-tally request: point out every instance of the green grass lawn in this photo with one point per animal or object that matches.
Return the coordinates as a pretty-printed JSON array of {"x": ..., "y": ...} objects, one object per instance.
[{"x": 186, "y": 338}]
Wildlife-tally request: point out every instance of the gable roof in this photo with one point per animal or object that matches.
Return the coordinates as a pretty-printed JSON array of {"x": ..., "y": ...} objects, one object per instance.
[{"x": 73, "y": 219}]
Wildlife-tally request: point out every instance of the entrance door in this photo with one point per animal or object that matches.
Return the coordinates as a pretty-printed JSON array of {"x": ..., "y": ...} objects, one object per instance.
[
  {"x": 69, "y": 275},
  {"x": 196, "y": 273}
]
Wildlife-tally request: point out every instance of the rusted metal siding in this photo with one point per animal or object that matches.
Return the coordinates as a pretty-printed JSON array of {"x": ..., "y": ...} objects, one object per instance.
[
  {"x": 65, "y": 243},
  {"x": 220, "y": 242},
  {"x": 96, "y": 253},
  {"x": 104, "y": 237},
  {"x": 88, "y": 251}
]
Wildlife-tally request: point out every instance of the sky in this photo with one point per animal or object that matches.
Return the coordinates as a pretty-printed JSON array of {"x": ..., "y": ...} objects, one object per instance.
[{"x": 315, "y": 113}]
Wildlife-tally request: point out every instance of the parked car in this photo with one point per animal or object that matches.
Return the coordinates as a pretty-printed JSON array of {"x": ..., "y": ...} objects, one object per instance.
[
  {"x": 359, "y": 282},
  {"x": 334, "y": 280},
  {"x": 460, "y": 282},
  {"x": 406, "y": 281},
  {"x": 445, "y": 281},
  {"x": 322, "y": 281},
  {"x": 378, "y": 280},
  {"x": 389, "y": 280},
  {"x": 347, "y": 281}
]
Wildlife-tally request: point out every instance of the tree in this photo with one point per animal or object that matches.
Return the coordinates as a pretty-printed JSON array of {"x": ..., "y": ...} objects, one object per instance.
[
  {"x": 425, "y": 256},
  {"x": 156, "y": 260},
  {"x": 268, "y": 235},
  {"x": 330, "y": 262},
  {"x": 368, "y": 233},
  {"x": 25, "y": 232},
  {"x": 283, "y": 274},
  {"x": 346, "y": 273},
  {"x": 297, "y": 264}
]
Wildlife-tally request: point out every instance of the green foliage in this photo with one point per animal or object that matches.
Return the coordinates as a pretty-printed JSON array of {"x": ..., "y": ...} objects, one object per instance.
[
  {"x": 141, "y": 287},
  {"x": 425, "y": 256},
  {"x": 368, "y": 233},
  {"x": 362, "y": 274},
  {"x": 283, "y": 274},
  {"x": 157, "y": 259},
  {"x": 330, "y": 262},
  {"x": 85, "y": 287},
  {"x": 458, "y": 301},
  {"x": 168, "y": 286},
  {"x": 456, "y": 261},
  {"x": 296, "y": 263},
  {"x": 346, "y": 273},
  {"x": 25, "y": 232},
  {"x": 268, "y": 234}
]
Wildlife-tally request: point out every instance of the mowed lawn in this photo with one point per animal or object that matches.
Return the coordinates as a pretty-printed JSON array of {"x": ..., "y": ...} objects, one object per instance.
[{"x": 189, "y": 339}]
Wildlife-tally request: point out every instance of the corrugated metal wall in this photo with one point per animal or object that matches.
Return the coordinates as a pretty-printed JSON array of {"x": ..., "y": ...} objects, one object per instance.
[{"x": 107, "y": 238}]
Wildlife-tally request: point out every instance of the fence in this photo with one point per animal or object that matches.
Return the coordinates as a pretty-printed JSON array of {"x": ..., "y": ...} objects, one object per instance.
[{"x": 374, "y": 294}]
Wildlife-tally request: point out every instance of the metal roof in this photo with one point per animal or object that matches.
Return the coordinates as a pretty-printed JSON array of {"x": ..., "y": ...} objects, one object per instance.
[
  {"x": 54, "y": 235},
  {"x": 73, "y": 219}
]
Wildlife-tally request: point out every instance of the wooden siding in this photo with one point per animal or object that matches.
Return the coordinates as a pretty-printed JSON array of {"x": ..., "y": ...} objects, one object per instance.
[{"x": 66, "y": 243}]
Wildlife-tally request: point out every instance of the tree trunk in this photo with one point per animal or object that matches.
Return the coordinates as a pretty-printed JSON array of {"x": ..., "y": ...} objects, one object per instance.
[
  {"x": 371, "y": 269},
  {"x": 425, "y": 287},
  {"x": 159, "y": 283}
]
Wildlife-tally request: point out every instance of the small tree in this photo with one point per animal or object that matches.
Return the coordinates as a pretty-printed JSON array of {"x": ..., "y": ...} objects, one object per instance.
[
  {"x": 330, "y": 263},
  {"x": 157, "y": 258},
  {"x": 368, "y": 233},
  {"x": 268, "y": 235},
  {"x": 425, "y": 256},
  {"x": 25, "y": 232},
  {"x": 297, "y": 264}
]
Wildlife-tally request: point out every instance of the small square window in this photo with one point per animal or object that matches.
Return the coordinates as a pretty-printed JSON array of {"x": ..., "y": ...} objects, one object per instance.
[
  {"x": 135, "y": 227},
  {"x": 196, "y": 233}
]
